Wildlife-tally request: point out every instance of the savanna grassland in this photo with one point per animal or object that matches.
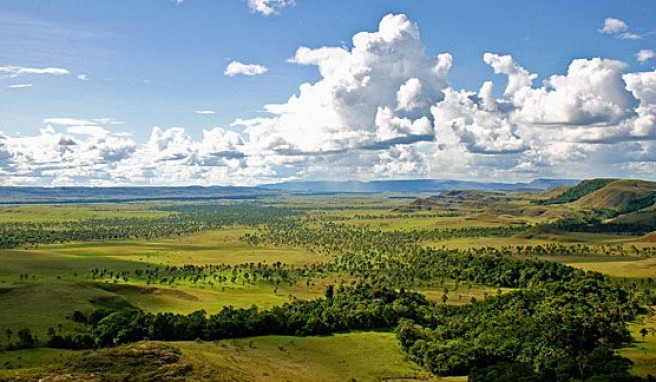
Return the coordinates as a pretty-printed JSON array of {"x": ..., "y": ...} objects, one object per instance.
[{"x": 489, "y": 285}]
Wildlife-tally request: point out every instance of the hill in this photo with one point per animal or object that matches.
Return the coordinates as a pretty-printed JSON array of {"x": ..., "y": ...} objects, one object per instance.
[
  {"x": 364, "y": 356},
  {"x": 621, "y": 196},
  {"x": 452, "y": 200},
  {"x": 576, "y": 192}
]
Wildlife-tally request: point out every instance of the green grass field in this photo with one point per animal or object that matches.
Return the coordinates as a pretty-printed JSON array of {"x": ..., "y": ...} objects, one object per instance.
[
  {"x": 615, "y": 267},
  {"x": 68, "y": 212},
  {"x": 59, "y": 280},
  {"x": 59, "y": 283},
  {"x": 643, "y": 352},
  {"x": 368, "y": 356}
]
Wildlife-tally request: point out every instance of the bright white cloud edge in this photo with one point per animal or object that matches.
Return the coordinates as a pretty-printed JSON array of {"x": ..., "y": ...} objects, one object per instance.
[{"x": 236, "y": 68}]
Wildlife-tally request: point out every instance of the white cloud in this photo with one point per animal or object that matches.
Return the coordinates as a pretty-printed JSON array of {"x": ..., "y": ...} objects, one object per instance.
[
  {"x": 629, "y": 36},
  {"x": 613, "y": 26},
  {"x": 13, "y": 71},
  {"x": 83, "y": 77},
  {"x": 618, "y": 28},
  {"x": 69, "y": 122},
  {"x": 400, "y": 161},
  {"x": 374, "y": 95},
  {"x": 107, "y": 121},
  {"x": 235, "y": 67},
  {"x": 408, "y": 97},
  {"x": 86, "y": 127},
  {"x": 269, "y": 7},
  {"x": 518, "y": 77},
  {"x": 476, "y": 123},
  {"x": 592, "y": 92},
  {"x": 645, "y": 55},
  {"x": 381, "y": 108},
  {"x": 19, "y": 86}
]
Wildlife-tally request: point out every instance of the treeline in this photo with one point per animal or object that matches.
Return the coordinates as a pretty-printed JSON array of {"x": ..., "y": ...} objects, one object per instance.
[
  {"x": 557, "y": 249},
  {"x": 343, "y": 309},
  {"x": 596, "y": 225},
  {"x": 276, "y": 273},
  {"x": 184, "y": 219},
  {"x": 387, "y": 216}
]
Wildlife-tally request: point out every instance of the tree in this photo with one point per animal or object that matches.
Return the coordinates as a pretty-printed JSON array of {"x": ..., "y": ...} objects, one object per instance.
[
  {"x": 25, "y": 338},
  {"x": 330, "y": 291},
  {"x": 643, "y": 333}
]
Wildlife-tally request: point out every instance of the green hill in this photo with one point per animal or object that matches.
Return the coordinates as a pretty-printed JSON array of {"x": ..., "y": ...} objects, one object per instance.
[
  {"x": 454, "y": 199},
  {"x": 621, "y": 196},
  {"x": 574, "y": 193}
]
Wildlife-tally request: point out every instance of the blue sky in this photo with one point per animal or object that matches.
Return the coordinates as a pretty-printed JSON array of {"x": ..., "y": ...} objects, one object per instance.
[{"x": 133, "y": 65}]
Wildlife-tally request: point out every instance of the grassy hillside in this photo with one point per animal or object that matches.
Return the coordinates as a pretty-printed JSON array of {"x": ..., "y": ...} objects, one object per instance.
[
  {"x": 621, "y": 196},
  {"x": 369, "y": 356},
  {"x": 456, "y": 199},
  {"x": 574, "y": 193}
]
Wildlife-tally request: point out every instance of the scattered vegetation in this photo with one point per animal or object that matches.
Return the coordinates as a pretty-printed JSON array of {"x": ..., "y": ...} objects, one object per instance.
[{"x": 330, "y": 267}]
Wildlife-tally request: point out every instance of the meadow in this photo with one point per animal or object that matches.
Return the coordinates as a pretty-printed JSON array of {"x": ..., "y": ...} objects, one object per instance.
[{"x": 287, "y": 258}]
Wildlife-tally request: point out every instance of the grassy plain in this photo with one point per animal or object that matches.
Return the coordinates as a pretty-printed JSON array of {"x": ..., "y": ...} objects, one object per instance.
[
  {"x": 68, "y": 212},
  {"x": 59, "y": 283}
]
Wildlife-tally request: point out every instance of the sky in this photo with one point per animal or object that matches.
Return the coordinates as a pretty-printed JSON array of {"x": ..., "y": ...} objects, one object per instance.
[{"x": 244, "y": 92}]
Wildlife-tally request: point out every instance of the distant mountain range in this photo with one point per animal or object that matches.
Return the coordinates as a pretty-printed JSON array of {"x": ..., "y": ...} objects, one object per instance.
[
  {"x": 415, "y": 186},
  {"x": 13, "y": 195}
]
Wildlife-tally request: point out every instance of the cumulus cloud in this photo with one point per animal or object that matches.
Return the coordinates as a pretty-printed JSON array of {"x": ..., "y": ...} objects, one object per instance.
[
  {"x": 235, "y": 67},
  {"x": 54, "y": 155},
  {"x": 593, "y": 103},
  {"x": 588, "y": 115},
  {"x": 645, "y": 55},
  {"x": 4, "y": 151},
  {"x": 402, "y": 161},
  {"x": 381, "y": 108},
  {"x": 613, "y": 26},
  {"x": 269, "y": 7},
  {"x": 376, "y": 94},
  {"x": 591, "y": 92},
  {"x": 72, "y": 152},
  {"x": 518, "y": 77},
  {"x": 618, "y": 28},
  {"x": 476, "y": 122}
]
